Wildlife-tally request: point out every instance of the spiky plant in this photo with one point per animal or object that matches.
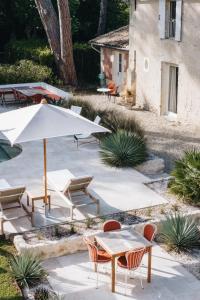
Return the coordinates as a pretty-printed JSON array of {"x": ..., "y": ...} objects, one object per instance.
[
  {"x": 27, "y": 269},
  {"x": 179, "y": 232},
  {"x": 186, "y": 181},
  {"x": 123, "y": 149},
  {"x": 42, "y": 293}
]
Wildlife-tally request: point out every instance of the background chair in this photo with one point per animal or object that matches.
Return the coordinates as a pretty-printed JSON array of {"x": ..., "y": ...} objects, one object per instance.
[
  {"x": 111, "y": 225},
  {"x": 131, "y": 261},
  {"x": 76, "y": 109},
  {"x": 113, "y": 90},
  {"x": 96, "y": 256},
  {"x": 81, "y": 137},
  {"x": 19, "y": 97}
]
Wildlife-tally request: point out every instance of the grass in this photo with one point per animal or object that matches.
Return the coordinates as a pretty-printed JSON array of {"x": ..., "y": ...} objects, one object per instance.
[{"x": 8, "y": 287}]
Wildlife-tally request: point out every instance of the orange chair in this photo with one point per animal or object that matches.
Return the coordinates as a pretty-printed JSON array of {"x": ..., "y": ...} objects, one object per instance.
[
  {"x": 131, "y": 261},
  {"x": 111, "y": 225},
  {"x": 96, "y": 256},
  {"x": 113, "y": 90},
  {"x": 149, "y": 232}
]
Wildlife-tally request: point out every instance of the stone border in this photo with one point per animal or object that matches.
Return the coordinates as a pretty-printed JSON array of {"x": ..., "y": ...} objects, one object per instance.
[{"x": 48, "y": 249}]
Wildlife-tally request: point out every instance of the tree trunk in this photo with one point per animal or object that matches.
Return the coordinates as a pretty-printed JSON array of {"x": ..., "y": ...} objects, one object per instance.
[
  {"x": 59, "y": 37},
  {"x": 102, "y": 17},
  {"x": 51, "y": 25},
  {"x": 67, "y": 60}
]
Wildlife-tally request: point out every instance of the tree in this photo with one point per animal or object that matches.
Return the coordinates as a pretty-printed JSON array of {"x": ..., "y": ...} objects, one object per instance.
[
  {"x": 102, "y": 17},
  {"x": 58, "y": 31}
]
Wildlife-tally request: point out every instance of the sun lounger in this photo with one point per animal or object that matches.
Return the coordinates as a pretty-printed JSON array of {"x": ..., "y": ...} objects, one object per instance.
[
  {"x": 72, "y": 189},
  {"x": 76, "y": 109},
  {"x": 86, "y": 138},
  {"x": 10, "y": 197}
]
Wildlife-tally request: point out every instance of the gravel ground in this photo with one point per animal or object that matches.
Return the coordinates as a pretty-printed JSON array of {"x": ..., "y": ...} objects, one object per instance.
[{"x": 165, "y": 139}]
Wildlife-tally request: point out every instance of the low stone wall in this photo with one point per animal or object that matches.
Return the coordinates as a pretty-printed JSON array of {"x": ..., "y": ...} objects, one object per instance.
[{"x": 46, "y": 248}]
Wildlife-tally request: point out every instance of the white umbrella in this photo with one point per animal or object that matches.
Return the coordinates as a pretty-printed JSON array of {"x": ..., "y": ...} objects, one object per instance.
[{"x": 44, "y": 121}]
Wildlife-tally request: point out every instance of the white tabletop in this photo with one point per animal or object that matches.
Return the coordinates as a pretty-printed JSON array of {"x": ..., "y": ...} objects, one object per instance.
[
  {"x": 103, "y": 90},
  {"x": 120, "y": 241}
]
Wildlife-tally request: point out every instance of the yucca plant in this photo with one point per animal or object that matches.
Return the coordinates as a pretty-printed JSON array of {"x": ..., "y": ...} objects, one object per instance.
[
  {"x": 27, "y": 270},
  {"x": 123, "y": 149},
  {"x": 179, "y": 232},
  {"x": 186, "y": 177}
]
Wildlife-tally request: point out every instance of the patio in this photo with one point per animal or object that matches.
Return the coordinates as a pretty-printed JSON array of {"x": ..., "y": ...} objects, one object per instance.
[
  {"x": 68, "y": 275},
  {"x": 117, "y": 189}
]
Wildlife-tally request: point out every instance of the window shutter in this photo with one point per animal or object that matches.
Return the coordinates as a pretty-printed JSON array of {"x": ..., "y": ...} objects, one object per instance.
[
  {"x": 162, "y": 18},
  {"x": 179, "y": 4}
]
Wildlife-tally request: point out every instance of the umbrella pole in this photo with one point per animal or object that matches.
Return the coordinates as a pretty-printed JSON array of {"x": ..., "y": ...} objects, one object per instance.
[{"x": 45, "y": 174}]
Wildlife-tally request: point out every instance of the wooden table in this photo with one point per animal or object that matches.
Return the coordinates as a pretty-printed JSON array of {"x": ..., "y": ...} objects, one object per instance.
[
  {"x": 37, "y": 195},
  {"x": 118, "y": 242}
]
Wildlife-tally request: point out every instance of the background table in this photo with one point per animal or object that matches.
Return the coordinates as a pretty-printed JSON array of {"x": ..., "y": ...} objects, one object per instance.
[{"x": 118, "y": 242}]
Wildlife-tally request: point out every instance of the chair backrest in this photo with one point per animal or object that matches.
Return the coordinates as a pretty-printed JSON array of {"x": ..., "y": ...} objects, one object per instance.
[
  {"x": 111, "y": 85},
  {"x": 11, "y": 194},
  {"x": 16, "y": 94},
  {"x": 77, "y": 184},
  {"x": 97, "y": 120},
  {"x": 111, "y": 225},
  {"x": 149, "y": 231},
  {"x": 76, "y": 109},
  {"x": 92, "y": 250},
  {"x": 134, "y": 258}
]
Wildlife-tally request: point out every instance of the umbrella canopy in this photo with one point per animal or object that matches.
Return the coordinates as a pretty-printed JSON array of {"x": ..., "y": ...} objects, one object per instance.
[{"x": 41, "y": 122}]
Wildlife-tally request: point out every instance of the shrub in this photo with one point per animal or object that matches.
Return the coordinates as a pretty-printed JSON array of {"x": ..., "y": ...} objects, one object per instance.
[
  {"x": 112, "y": 120},
  {"x": 123, "y": 149},
  {"x": 41, "y": 293},
  {"x": 27, "y": 270},
  {"x": 33, "y": 49},
  {"x": 180, "y": 233},
  {"x": 186, "y": 181},
  {"x": 25, "y": 71}
]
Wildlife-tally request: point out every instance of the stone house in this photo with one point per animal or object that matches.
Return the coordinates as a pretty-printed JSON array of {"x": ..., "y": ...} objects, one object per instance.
[
  {"x": 114, "y": 55},
  {"x": 164, "y": 57}
]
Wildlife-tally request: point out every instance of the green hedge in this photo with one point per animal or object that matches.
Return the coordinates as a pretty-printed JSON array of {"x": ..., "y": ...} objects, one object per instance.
[
  {"x": 86, "y": 59},
  {"x": 25, "y": 71},
  {"x": 35, "y": 50}
]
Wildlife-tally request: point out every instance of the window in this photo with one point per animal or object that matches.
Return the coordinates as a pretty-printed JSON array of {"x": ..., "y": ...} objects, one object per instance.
[
  {"x": 120, "y": 62},
  {"x": 170, "y": 19}
]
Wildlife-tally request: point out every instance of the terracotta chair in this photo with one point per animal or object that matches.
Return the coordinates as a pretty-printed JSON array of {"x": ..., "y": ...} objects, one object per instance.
[
  {"x": 111, "y": 225},
  {"x": 149, "y": 232},
  {"x": 113, "y": 90},
  {"x": 96, "y": 256},
  {"x": 131, "y": 261}
]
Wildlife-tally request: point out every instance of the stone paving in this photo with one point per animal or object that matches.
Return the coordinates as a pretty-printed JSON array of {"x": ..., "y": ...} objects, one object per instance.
[{"x": 72, "y": 276}]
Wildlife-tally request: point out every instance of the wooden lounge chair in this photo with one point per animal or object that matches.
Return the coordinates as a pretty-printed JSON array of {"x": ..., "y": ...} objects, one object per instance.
[
  {"x": 86, "y": 138},
  {"x": 9, "y": 196},
  {"x": 72, "y": 189}
]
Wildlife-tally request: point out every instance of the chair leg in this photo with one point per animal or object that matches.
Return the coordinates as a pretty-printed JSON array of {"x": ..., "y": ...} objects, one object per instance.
[{"x": 126, "y": 280}]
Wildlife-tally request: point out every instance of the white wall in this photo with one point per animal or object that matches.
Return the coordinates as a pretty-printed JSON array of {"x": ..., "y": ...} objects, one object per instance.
[{"x": 145, "y": 39}]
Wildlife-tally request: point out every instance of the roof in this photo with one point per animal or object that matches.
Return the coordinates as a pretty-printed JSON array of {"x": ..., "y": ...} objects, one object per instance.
[{"x": 118, "y": 38}]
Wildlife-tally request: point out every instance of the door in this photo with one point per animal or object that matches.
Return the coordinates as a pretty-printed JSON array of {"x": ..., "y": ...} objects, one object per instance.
[
  {"x": 118, "y": 70},
  {"x": 173, "y": 89}
]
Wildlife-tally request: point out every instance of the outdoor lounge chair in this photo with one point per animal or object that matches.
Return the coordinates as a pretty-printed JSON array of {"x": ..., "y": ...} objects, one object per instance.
[
  {"x": 76, "y": 109},
  {"x": 86, "y": 138},
  {"x": 72, "y": 189},
  {"x": 9, "y": 196}
]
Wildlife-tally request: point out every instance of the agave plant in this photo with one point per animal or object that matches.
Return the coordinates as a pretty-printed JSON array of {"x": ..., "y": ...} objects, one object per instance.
[
  {"x": 186, "y": 177},
  {"x": 27, "y": 269},
  {"x": 123, "y": 149},
  {"x": 179, "y": 232}
]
